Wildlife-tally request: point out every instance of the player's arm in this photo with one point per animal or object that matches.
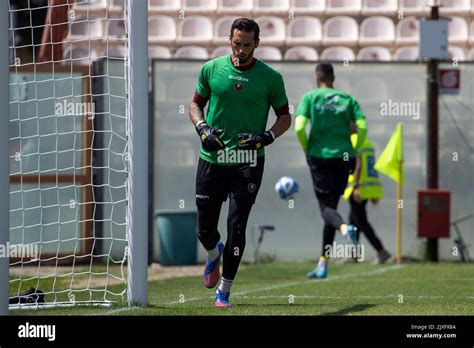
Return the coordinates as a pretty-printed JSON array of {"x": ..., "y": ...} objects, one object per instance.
[
  {"x": 196, "y": 109},
  {"x": 300, "y": 131},
  {"x": 357, "y": 169},
  {"x": 209, "y": 136},
  {"x": 303, "y": 112},
  {"x": 281, "y": 125},
  {"x": 361, "y": 125},
  {"x": 279, "y": 102}
]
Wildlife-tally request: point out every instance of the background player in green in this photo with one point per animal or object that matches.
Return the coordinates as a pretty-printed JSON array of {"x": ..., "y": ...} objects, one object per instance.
[
  {"x": 329, "y": 151},
  {"x": 240, "y": 90},
  {"x": 364, "y": 185}
]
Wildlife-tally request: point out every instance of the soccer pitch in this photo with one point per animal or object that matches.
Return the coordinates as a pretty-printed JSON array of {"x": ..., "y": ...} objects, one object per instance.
[{"x": 281, "y": 288}]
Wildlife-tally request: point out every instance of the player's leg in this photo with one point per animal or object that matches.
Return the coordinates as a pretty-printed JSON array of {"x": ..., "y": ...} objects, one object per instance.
[
  {"x": 328, "y": 205},
  {"x": 245, "y": 183},
  {"x": 210, "y": 193},
  {"x": 359, "y": 215},
  {"x": 353, "y": 221},
  {"x": 329, "y": 182},
  {"x": 239, "y": 211},
  {"x": 342, "y": 168}
]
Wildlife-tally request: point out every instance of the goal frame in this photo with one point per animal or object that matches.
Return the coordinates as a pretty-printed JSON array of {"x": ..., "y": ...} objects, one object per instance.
[{"x": 137, "y": 208}]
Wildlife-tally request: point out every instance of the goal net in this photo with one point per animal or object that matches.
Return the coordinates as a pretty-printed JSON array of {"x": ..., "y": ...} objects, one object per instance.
[{"x": 69, "y": 152}]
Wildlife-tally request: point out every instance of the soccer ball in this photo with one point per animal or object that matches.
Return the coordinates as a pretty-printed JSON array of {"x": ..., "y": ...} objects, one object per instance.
[{"x": 286, "y": 187}]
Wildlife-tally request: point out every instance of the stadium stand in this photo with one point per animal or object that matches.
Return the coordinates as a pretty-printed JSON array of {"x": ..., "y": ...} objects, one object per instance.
[
  {"x": 298, "y": 29},
  {"x": 375, "y": 53}
]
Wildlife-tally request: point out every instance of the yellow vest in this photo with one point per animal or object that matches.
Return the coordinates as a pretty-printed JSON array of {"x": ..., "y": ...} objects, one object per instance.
[{"x": 369, "y": 183}]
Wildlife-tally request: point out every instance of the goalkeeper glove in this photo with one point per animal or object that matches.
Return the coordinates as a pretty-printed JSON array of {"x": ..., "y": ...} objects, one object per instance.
[
  {"x": 209, "y": 137},
  {"x": 248, "y": 141}
]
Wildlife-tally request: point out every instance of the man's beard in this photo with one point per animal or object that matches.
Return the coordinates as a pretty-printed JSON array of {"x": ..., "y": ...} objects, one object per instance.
[{"x": 243, "y": 61}]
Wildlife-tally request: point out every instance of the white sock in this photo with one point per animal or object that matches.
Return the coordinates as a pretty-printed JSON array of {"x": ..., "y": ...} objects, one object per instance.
[
  {"x": 323, "y": 262},
  {"x": 225, "y": 285},
  {"x": 344, "y": 229},
  {"x": 213, "y": 254}
]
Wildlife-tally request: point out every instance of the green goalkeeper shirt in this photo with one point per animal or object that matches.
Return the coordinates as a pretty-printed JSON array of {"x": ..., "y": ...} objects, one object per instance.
[
  {"x": 239, "y": 100},
  {"x": 330, "y": 112}
]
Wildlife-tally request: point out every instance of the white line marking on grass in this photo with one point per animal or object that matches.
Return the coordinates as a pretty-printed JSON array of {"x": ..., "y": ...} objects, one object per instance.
[
  {"x": 240, "y": 293},
  {"x": 118, "y": 310},
  {"x": 353, "y": 296}
]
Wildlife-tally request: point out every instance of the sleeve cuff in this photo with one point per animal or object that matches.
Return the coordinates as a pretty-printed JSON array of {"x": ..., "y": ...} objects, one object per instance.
[
  {"x": 284, "y": 110},
  {"x": 199, "y": 100}
]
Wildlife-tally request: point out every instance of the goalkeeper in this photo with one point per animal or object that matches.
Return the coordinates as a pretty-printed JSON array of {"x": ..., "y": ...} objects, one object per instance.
[
  {"x": 329, "y": 152},
  {"x": 240, "y": 90}
]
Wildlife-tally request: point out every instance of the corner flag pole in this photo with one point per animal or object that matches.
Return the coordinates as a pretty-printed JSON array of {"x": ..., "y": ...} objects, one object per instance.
[
  {"x": 399, "y": 215},
  {"x": 390, "y": 163}
]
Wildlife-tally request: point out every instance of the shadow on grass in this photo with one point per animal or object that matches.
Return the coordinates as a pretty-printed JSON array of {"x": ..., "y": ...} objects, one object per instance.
[
  {"x": 266, "y": 305},
  {"x": 349, "y": 310}
]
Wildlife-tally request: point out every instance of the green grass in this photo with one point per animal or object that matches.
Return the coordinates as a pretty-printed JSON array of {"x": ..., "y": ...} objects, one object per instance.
[{"x": 282, "y": 289}]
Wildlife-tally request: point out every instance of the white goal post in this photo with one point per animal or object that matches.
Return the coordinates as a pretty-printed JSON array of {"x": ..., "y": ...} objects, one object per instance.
[
  {"x": 74, "y": 155},
  {"x": 4, "y": 155}
]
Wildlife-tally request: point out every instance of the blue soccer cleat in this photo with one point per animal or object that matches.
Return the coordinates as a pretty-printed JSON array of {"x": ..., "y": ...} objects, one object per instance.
[
  {"x": 211, "y": 269},
  {"x": 351, "y": 234},
  {"x": 319, "y": 272},
  {"x": 222, "y": 300}
]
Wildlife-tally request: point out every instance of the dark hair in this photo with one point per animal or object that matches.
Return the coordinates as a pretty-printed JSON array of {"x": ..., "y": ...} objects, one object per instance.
[
  {"x": 246, "y": 24},
  {"x": 325, "y": 72}
]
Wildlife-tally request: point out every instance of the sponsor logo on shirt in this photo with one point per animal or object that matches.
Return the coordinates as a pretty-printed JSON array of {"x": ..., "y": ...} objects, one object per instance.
[
  {"x": 330, "y": 104},
  {"x": 252, "y": 187},
  {"x": 238, "y": 78},
  {"x": 202, "y": 196}
]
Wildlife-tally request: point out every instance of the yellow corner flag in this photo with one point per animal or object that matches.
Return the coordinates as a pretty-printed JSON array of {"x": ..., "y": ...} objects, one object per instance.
[{"x": 391, "y": 159}]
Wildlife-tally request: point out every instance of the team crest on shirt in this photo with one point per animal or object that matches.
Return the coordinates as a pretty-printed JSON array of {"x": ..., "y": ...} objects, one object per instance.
[
  {"x": 238, "y": 86},
  {"x": 252, "y": 187}
]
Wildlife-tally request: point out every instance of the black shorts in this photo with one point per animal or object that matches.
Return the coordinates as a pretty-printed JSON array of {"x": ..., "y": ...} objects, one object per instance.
[
  {"x": 214, "y": 182},
  {"x": 330, "y": 175}
]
